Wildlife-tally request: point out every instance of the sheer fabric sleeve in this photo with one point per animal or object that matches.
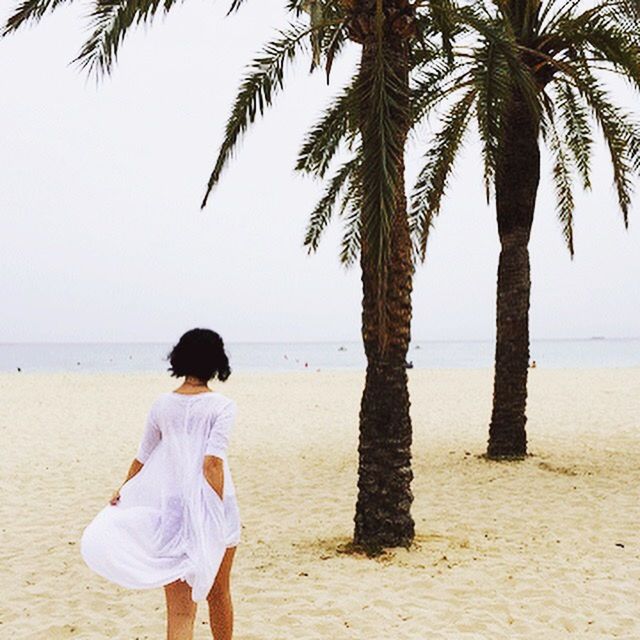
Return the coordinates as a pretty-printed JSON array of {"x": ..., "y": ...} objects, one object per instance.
[
  {"x": 150, "y": 437},
  {"x": 218, "y": 438}
]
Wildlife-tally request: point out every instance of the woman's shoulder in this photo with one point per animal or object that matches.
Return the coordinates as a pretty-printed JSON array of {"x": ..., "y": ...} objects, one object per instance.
[
  {"x": 160, "y": 400},
  {"x": 222, "y": 402}
]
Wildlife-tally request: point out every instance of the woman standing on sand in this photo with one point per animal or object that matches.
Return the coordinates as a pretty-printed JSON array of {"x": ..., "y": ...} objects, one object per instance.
[{"x": 175, "y": 520}]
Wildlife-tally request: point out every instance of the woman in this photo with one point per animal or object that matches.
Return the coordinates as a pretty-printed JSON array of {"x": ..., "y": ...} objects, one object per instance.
[{"x": 174, "y": 522}]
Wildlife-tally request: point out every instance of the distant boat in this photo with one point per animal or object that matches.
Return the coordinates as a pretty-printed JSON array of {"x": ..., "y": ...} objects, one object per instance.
[
  {"x": 597, "y": 338},
  {"x": 342, "y": 348},
  {"x": 408, "y": 365}
]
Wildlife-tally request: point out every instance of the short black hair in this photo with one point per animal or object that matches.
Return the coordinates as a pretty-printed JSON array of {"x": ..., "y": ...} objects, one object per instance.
[{"x": 199, "y": 353}]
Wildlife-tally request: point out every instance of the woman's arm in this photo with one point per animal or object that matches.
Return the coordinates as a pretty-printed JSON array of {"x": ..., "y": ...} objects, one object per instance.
[
  {"x": 212, "y": 467},
  {"x": 135, "y": 467},
  {"x": 217, "y": 443}
]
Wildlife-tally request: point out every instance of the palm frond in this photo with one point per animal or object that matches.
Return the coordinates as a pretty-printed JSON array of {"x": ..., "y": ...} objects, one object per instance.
[
  {"x": 336, "y": 39},
  {"x": 550, "y": 12},
  {"x": 350, "y": 245},
  {"x": 499, "y": 35},
  {"x": 315, "y": 9},
  {"x": 433, "y": 83},
  {"x": 30, "y": 11},
  {"x": 257, "y": 90},
  {"x": 385, "y": 105},
  {"x": 235, "y": 5},
  {"x": 577, "y": 130},
  {"x": 110, "y": 20},
  {"x": 598, "y": 34},
  {"x": 491, "y": 78},
  {"x": 442, "y": 20},
  {"x": 562, "y": 179},
  {"x": 321, "y": 143},
  {"x": 323, "y": 211},
  {"x": 432, "y": 180},
  {"x": 620, "y": 134},
  {"x": 552, "y": 15},
  {"x": 627, "y": 12}
]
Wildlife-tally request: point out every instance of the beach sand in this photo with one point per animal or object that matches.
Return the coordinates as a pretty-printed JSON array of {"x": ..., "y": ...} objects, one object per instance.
[{"x": 547, "y": 548}]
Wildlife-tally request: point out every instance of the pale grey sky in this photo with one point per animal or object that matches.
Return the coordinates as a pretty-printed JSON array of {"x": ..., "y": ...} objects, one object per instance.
[{"x": 102, "y": 238}]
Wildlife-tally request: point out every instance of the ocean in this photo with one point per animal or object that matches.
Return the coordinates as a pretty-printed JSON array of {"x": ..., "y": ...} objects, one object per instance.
[{"x": 150, "y": 357}]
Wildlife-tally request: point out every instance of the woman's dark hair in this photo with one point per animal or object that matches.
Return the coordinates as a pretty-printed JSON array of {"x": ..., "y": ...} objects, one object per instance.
[{"x": 199, "y": 353}]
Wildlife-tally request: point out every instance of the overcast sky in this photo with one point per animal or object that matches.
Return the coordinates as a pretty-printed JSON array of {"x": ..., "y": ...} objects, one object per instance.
[{"x": 102, "y": 238}]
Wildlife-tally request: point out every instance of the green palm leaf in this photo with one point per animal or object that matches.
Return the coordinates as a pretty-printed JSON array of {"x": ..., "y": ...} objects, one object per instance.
[
  {"x": 619, "y": 134},
  {"x": 257, "y": 90},
  {"x": 381, "y": 92},
  {"x": 322, "y": 142},
  {"x": 30, "y": 11},
  {"x": 561, "y": 179},
  {"x": 432, "y": 180},
  {"x": 577, "y": 130},
  {"x": 491, "y": 78},
  {"x": 350, "y": 246},
  {"x": 321, "y": 215},
  {"x": 110, "y": 20}
]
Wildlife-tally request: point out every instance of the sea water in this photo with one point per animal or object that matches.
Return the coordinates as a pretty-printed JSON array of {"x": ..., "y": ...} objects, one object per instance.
[{"x": 280, "y": 356}]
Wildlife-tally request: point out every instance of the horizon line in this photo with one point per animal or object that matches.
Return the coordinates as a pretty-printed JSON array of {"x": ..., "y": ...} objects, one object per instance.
[{"x": 301, "y": 342}]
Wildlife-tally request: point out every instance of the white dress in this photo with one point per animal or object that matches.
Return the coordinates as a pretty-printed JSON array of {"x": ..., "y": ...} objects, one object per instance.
[{"x": 169, "y": 523}]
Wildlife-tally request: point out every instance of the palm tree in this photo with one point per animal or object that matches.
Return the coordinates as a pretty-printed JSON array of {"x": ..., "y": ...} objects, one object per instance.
[
  {"x": 370, "y": 119},
  {"x": 527, "y": 72}
]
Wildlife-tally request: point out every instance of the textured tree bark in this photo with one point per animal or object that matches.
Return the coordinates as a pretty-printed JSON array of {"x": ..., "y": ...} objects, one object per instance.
[
  {"x": 517, "y": 179},
  {"x": 383, "y": 508}
]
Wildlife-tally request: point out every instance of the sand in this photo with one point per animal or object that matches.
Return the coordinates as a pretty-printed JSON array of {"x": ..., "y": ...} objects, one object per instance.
[{"x": 543, "y": 549}]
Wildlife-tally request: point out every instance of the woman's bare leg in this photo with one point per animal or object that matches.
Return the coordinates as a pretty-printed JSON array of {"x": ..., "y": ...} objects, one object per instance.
[
  {"x": 181, "y": 611},
  {"x": 219, "y": 599}
]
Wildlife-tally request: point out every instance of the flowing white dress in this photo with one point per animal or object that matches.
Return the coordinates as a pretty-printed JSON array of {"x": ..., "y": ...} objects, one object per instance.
[{"x": 169, "y": 523}]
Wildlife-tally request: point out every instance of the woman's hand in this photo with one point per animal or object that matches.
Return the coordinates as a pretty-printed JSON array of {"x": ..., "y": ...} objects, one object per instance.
[
  {"x": 135, "y": 467},
  {"x": 214, "y": 474}
]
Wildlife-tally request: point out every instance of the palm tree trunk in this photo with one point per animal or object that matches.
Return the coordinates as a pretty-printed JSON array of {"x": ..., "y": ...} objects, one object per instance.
[
  {"x": 383, "y": 517},
  {"x": 517, "y": 179}
]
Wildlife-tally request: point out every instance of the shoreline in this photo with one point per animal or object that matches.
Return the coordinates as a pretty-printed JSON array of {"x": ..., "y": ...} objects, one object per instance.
[
  {"x": 305, "y": 371},
  {"x": 275, "y": 357}
]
